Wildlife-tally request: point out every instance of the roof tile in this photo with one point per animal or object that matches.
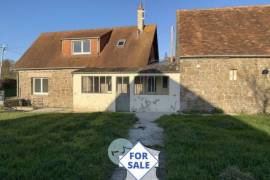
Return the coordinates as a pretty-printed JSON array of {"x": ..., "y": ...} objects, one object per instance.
[
  {"x": 224, "y": 31},
  {"x": 46, "y": 51}
]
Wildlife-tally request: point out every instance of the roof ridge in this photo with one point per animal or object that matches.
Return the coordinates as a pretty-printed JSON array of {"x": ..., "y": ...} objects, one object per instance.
[
  {"x": 78, "y": 30},
  {"x": 227, "y": 8},
  {"x": 96, "y": 29}
]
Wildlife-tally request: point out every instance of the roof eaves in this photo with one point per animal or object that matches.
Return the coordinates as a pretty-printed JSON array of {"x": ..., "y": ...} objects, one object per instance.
[
  {"x": 48, "y": 68},
  {"x": 223, "y": 56},
  {"x": 223, "y": 8}
]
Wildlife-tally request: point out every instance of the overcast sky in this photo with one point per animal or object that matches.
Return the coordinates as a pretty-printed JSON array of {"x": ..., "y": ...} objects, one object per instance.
[{"x": 23, "y": 20}]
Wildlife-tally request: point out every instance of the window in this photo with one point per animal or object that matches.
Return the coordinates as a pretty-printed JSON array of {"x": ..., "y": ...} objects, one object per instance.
[
  {"x": 233, "y": 75},
  {"x": 81, "y": 47},
  {"x": 165, "y": 82},
  {"x": 151, "y": 88},
  {"x": 122, "y": 85},
  {"x": 96, "y": 84},
  {"x": 40, "y": 86},
  {"x": 121, "y": 43},
  {"x": 151, "y": 85}
]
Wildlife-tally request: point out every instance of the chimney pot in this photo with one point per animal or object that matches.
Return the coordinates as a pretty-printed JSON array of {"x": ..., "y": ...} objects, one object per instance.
[{"x": 140, "y": 17}]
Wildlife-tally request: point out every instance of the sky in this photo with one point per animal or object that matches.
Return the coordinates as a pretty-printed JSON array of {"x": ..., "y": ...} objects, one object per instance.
[{"x": 23, "y": 20}]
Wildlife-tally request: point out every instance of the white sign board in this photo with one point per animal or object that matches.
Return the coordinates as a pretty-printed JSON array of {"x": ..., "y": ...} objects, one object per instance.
[{"x": 138, "y": 161}]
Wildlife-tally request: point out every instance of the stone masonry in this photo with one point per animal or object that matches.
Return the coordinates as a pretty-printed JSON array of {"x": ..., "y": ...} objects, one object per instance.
[
  {"x": 206, "y": 85},
  {"x": 60, "y": 88}
]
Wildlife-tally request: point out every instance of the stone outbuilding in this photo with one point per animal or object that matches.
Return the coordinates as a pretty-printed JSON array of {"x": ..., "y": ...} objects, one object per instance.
[{"x": 224, "y": 58}]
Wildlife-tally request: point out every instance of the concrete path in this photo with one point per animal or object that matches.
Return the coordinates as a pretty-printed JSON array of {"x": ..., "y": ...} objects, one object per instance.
[
  {"x": 149, "y": 134},
  {"x": 146, "y": 130}
]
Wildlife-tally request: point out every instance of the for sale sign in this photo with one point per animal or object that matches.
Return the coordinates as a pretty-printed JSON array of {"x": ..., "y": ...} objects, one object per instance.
[{"x": 138, "y": 161}]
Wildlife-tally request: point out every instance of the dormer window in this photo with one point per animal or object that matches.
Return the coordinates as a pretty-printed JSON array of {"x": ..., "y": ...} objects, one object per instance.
[
  {"x": 121, "y": 43},
  {"x": 81, "y": 47}
]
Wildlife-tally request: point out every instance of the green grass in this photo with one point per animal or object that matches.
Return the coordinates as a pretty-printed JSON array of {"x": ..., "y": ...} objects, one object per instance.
[
  {"x": 217, "y": 147},
  {"x": 59, "y": 146}
]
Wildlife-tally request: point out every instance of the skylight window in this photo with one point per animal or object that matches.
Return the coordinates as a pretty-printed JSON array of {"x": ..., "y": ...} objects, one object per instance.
[{"x": 121, "y": 43}]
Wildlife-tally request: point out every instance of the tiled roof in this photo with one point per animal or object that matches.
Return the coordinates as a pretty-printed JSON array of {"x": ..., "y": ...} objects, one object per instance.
[
  {"x": 46, "y": 51},
  {"x": 158, "y": 68},
  {"x": 224, "y": 31}
]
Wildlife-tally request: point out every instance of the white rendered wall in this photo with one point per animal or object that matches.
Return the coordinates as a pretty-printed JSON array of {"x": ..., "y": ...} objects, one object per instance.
[
  {"x": 92, "y": 102},
  {"x": 159, "y": 103}
]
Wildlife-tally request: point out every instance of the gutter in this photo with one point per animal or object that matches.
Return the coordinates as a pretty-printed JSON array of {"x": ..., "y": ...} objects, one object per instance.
[
  {"x": 223, "y": 56},
  {"x": 124, "y": 72},
  {"x": 54, "y": 68}
]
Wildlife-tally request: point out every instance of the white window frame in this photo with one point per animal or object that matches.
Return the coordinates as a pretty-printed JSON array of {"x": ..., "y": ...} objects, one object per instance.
[
  {"x": 233, "y": 75},
  {"x": 122, "y": 83},
  {"x": 41, "y": 87},
  {"x": 153, "y": 89},
  {"x": 99, "y": 88},
  {"x": 81, "y": 41}
]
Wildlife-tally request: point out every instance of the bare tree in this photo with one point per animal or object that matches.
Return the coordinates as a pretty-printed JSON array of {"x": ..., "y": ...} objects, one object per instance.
[{"x": 7, "y": 72}]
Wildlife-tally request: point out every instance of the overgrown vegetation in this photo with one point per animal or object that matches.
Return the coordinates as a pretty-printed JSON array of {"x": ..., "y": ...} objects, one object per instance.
[
  {"x": 217, "y": 147},
  {"x": 8, "y": 78},
  {"x": 59, "y": 146},
  {"x": 7, "y": 69},
  {"x": 10, "y": 87}
]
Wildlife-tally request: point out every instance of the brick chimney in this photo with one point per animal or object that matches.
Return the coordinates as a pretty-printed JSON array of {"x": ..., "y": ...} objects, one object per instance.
[{"x": 140, "y": 17}]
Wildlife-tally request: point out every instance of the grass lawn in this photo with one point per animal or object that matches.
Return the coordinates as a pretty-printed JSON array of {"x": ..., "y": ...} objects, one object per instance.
[
  {"x": 217, "y": 147},
  {"x": 59, "y": 146}
]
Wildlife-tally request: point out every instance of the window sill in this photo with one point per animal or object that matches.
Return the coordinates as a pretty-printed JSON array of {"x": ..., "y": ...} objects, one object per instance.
[
  {"x": 151, "y": 95},
  {"x": 96, "y": 93},
  {"x": 40, "y": 94},
  {"x": 78, "y": 54}
]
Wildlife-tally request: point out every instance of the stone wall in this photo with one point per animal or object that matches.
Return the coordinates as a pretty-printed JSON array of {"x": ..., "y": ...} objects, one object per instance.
[
  {"x": 206, "y": 85},
  {"x": 60, "y": 88}
]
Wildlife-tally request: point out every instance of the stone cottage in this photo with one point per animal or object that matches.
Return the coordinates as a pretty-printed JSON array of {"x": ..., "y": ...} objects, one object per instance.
[
  {"x": 224, "y": 57},
  {"x": 113, "y": 69},
  {"x": 222, "y": 65}
]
